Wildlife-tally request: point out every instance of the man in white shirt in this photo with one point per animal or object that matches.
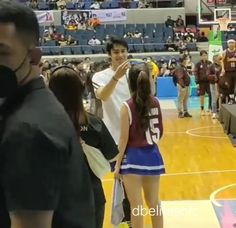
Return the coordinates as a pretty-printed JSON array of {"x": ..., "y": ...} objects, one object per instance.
[
  {"x": 94, "y": 41},
  {"x": 112, "y": 89}
]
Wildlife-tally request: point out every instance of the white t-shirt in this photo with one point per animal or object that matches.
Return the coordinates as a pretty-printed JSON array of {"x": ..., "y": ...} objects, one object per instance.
[{"x": 111, "y": 107}]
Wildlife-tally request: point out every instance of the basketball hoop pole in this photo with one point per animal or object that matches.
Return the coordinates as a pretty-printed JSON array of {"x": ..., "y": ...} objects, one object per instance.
[{"x": 199, "y": 11}]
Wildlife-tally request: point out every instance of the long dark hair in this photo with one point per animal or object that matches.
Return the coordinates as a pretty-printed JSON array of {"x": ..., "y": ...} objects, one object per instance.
[
  {"x": 139, "y": 83},
  {"x": 67, "y": 86}
]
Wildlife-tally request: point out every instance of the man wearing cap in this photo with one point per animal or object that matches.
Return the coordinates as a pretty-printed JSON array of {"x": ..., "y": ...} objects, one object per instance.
[{"x": 229, "y": 68}]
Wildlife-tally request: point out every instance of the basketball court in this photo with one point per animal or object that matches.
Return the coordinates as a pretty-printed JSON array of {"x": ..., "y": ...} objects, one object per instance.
[{"x": 200, "y": 172}]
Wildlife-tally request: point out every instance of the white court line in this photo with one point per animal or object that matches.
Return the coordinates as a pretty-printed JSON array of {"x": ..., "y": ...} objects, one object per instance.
[
  {"x": 204, "y": 136},
  {"x": 188, "y": 173},
  {"x": 213, "y": 194}
]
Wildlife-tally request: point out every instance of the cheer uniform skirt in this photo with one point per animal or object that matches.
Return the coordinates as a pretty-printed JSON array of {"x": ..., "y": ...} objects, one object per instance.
[{"x": 142, "y": 161}]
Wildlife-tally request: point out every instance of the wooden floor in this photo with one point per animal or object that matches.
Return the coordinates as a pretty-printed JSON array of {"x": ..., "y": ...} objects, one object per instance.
[{"x": 199, "y": 160}]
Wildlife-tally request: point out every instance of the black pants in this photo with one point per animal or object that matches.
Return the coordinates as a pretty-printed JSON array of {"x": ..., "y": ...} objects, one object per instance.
[
  {"x": 99, "y": 215},
  {"x": 231, "y": 80}
]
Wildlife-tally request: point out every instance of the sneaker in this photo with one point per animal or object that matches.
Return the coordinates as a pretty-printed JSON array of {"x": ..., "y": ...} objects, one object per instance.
[
  {"x": 181, "y": 115},
  {"x": 125, "y": 225},
  {"x": 186, "y": 114},
  {"x": 214, "y": 116},
  {"x": 231, "y": 101},
  {"x": 203, "y": 113}
]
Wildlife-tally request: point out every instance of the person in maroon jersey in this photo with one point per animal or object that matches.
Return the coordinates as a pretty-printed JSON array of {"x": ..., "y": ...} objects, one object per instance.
[
  {"x": 139, "y": 162},
  {"x": 201, "y": 79},
  {"x": 229, "y": 68}
]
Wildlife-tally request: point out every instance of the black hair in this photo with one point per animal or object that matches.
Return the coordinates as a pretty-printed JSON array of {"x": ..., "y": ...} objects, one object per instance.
[
  {"x": 182, "y": 58},
  {"x": 115, "y": 41},
  {"x": 130, "y": 57},
  {"x": 23, "y": 18},
  {"x": 139, "y": 83},
  {"x": 202, "y": 52}
]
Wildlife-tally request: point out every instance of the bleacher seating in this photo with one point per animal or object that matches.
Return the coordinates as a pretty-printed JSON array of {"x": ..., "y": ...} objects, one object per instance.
[
  {"x": 43, "y": 5},
  {"x": 154, "y": 37}
]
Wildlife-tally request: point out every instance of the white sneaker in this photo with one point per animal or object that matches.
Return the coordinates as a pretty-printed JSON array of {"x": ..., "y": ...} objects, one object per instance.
[{"x": 214, "y": 116}]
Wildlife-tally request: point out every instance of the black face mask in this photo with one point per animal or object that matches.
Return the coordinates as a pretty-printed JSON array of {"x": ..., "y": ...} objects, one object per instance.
[{"x": 8, "y": 80}]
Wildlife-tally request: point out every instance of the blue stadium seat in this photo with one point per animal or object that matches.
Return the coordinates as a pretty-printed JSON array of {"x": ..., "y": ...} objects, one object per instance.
[
  {"x": 120, "y": 27},
  {"x": 100, "y": 36},
  {"x": 137, "y": 40},
  {"x": 105, "y": 5},
  {"x": 129, "y": 28},
  {"x": 76, "y": 50},
  {"x": 98, "y": 49},
  {"x": 87, "y": 5},
  {"x": 110, "y": 29},
  {"x": 129, "y": 40},
  {"x": 50, "y": 43},
  {"x": 66, "y": 50},
  {"x": 149, "y": 47},
  {"x": 133, "y": 4},
  {"x": 114, "y": 5},
  {"x": 60, "y": 29},
  {"x": 46, "y": 50},
  {"x": 83, "y": 42},
  {"x": 56, "y": 50},
  {"x": 131, "y": 48},
  {"x": 159, "y": 28},
  {"x": 43, "y": 6},
  {"x": 192, "y": 46},
  {"x": 150, "y": 27},
  {"x": 140, "y": 27},
  {"x": 148, "y": 40},
  {"x": 168, "y": 32},
  {"x": 138, "y": 48},
  {"x": 70, "y": 6},
  {"x": 87, "y": 49},
  {"x": 69, "y": 32},
  {"x": 119, "y": 30},
  {"x": 159, "y": 47}
]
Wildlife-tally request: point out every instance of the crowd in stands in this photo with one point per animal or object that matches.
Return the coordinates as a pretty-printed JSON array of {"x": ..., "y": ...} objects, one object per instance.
[
  {"x": 140, "y": 38},
  {"x": 91, "y": 4},
  {"x": 163, "y": 66}
]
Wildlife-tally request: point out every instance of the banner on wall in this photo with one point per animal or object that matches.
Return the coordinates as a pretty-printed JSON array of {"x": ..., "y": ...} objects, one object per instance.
[
  {"x": 216, "y": 1},
  {"x": 76, "y": 17},
  {"x": 106, "y": 15},
  {"x": 215, "y": 44},
  {"x": 44, "y": 17},
  {"x": 110, "y": 15}
]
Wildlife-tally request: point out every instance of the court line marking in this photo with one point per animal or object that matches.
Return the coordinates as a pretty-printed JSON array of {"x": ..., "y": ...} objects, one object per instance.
[
  {"x": 214, "y": 194},
  {"x": 187, "y": 173},
  {"x": 188, "y": 132}
]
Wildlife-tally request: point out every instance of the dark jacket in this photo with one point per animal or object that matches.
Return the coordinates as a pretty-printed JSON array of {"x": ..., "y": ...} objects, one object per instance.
[
  {"x": 213, "y": 73},
  {"x": 181, "y": 76},
  {"x": 201, "y": 71}
]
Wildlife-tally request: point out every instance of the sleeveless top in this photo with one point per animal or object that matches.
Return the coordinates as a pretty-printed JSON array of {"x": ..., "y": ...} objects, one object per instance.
[
  {"x": 138, "y": 136},
  {"x": 230, "y": 60}
]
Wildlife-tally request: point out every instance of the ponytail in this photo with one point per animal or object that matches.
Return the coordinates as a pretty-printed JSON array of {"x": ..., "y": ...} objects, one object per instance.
[{"x": 142, "y": 98}]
